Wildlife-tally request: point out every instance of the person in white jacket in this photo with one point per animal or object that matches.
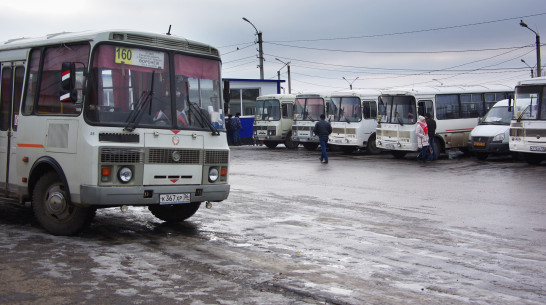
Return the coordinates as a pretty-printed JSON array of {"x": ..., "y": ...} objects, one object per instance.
[{"x": 422, "y": 138}]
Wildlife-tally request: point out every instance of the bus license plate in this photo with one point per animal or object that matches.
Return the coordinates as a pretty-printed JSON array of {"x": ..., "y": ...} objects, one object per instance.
[
  {"x": 479, "y": 143},
  {"x": 537, "y": 148},
  {"x": 389, "y": 146},
  {"x": 174, "y": 198}
]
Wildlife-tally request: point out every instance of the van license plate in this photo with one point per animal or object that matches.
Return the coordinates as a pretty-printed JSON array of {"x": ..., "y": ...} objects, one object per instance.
[
  {"x": 479, "y": 144},
  {"x": 174, "y": 198}
]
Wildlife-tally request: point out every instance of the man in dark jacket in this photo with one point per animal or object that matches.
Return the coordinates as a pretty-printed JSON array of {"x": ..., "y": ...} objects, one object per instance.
[
  {"x": 323, "y": 129},
  {"x": 431, "y": 124}
]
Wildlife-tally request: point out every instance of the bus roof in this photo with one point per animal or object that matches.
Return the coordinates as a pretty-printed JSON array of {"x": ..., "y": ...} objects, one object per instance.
[
  {"x": 359, "y": 93},
  {"x": 276, "y": 96},
  {"x": 533, "y": 81},
  {"x": 323, "y": 94},
  {"x": 448, "y": 89},
  {"x": 126, "y": 36}
]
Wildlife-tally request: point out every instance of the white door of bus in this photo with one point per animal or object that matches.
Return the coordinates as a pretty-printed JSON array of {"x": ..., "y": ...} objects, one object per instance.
[{"x": 11, "y": 75}]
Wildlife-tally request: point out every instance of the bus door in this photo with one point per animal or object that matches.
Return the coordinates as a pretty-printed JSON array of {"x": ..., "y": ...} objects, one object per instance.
[
  {"x": 425, "y": 106},
  {"x": 11, "y": 85}
]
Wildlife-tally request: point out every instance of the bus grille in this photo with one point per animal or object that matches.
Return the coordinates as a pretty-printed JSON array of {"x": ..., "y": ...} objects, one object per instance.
[
  {"x": 121, "y": 155},
  {"x": 216, "y": 157},
  {"x": 184, "y": 156},
  {"x": 163, "y": 156}
]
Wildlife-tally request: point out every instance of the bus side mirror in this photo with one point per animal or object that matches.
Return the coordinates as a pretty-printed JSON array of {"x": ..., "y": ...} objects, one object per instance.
[
  {"x": 68, "y": 82},
  {"x": 226, "y": 95}
]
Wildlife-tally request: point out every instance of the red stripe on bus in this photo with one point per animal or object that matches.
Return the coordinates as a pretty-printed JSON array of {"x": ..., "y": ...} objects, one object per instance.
[{"x": 30, "y": 145}]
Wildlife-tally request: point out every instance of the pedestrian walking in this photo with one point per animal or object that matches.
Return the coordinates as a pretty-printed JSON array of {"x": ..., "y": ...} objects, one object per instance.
[
  {"x": 431, "y": 125},
  {"x": 237, "y": 127},
  {"x": 323, "y": 129},
  {"x": 422, "y": 138},
  {"x": 229, "y": 129}
]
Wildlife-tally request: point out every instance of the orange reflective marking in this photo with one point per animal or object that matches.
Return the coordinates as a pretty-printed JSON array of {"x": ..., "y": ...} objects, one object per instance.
[{"x": 30, "y": 145}]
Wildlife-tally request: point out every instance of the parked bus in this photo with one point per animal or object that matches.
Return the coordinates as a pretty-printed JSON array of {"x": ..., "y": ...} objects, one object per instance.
[
  {"x": 455, "y": 109},
  {"x": 273, "y": 120},
  {"x": 111, "y": 118},
  {"x": 354, "y": 120},
  {"x": 307, "y": 110},
  {"x": 528, "y": 125}
]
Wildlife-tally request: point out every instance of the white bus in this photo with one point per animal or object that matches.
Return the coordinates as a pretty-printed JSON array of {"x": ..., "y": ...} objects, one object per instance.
[
  {"x": 354, "y": 120},
  {"x": 307, "y": 110},
  {"x": 528, "y": 125},
  {"x": 273, "y": 120},
  {"x": 455, "y": 109},
  {"x": 111, "y": 118}
]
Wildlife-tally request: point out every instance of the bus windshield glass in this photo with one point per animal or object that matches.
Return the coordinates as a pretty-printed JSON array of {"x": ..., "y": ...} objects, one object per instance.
[
  {"x": 135, "y": 85},
  {"x": 268, "y": 110},
  {"x": 347, "y": 109},
  {"x": 397, "y": 109},
  {"x": 308, "y": 109},
  {"x": 530, "y": 103}
]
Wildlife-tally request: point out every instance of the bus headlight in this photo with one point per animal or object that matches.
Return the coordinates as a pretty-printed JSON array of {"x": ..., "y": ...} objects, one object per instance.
[
  {"x": 213, "y": 174},
  {"x": 125, "y": 174}
]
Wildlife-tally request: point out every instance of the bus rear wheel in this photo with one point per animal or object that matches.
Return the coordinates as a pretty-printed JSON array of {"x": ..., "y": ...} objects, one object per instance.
[
  {"x": 176, "y": 212},
  {"x": 53, "y": 209}
]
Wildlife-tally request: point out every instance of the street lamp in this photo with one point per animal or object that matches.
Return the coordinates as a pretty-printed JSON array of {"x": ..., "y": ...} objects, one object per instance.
[
  {"x": 350, "y": 83},
  {"x": 524, "y": 25},
  {"x": 287, "y": 64},
  {"x": 523, "y": 61},
  {"x": 260, "y": 50}
]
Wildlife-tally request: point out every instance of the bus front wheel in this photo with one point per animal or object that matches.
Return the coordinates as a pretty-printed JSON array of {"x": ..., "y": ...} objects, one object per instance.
[
  {"x": 53, "y": 209},
  {"x": 371, "y": 147},
  {"x": 174, "y": 213}
]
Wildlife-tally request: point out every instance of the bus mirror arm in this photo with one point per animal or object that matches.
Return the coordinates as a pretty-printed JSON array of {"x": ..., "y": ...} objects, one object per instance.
[{"x": 509, "y": 104}]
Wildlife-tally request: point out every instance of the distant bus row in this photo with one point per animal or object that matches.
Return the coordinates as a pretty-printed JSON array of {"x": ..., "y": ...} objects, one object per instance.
[{"x": 377, "y": 120}]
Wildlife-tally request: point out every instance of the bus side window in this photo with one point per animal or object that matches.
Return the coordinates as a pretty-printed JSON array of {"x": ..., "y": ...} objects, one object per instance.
[
  {"x": 373, "y": 110},
  {"x": 284, "y": 111}
]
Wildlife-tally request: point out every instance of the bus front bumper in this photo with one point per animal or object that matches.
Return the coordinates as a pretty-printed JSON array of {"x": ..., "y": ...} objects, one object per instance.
[{"x": 147, "y": 195}]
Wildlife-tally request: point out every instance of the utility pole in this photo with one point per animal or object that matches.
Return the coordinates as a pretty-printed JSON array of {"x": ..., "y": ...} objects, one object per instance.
[
  {"x": 539, "y": 68},
  {"x": 287, "y": 64},
  {"x": 260, "y": 49}
]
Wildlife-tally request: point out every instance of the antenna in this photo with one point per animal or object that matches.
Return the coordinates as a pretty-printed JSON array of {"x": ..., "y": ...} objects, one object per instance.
[{"x": 169, "y": 32}]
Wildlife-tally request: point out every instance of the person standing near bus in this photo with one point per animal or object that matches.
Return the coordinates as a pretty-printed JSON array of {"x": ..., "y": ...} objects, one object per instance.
[
  {"x": 422, "y": 138},
  {"x": 236, "y": 125},
  {"x": 323, "y": 129},
  {"x": 431, "y": 125},
  {"x": 229, "y": 129}
]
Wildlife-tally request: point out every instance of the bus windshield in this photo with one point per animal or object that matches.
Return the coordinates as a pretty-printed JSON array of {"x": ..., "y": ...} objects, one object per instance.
[
  {"x": 268, "y": 110},
  {"x": 530, "y": 103},
  {"x": 137, "y": 85},
  {"x": 347, "y": 109},
  {"x": 308, "y": 109},
  {"x": 397, "y": 109}
]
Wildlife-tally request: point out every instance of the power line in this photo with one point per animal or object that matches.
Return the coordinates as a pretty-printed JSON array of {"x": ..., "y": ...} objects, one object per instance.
[{"x": 413, "y": 32}]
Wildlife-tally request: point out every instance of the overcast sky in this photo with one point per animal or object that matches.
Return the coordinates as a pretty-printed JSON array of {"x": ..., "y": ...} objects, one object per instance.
[{"x": 384, "y": 43}]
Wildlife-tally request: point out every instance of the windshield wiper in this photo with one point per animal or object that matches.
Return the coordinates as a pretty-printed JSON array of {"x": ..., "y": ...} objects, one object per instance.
[
  {"x": 135, "y": 115},
  {"x": 201, "y": 117},
  {"x": 399, "y": 119}
]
